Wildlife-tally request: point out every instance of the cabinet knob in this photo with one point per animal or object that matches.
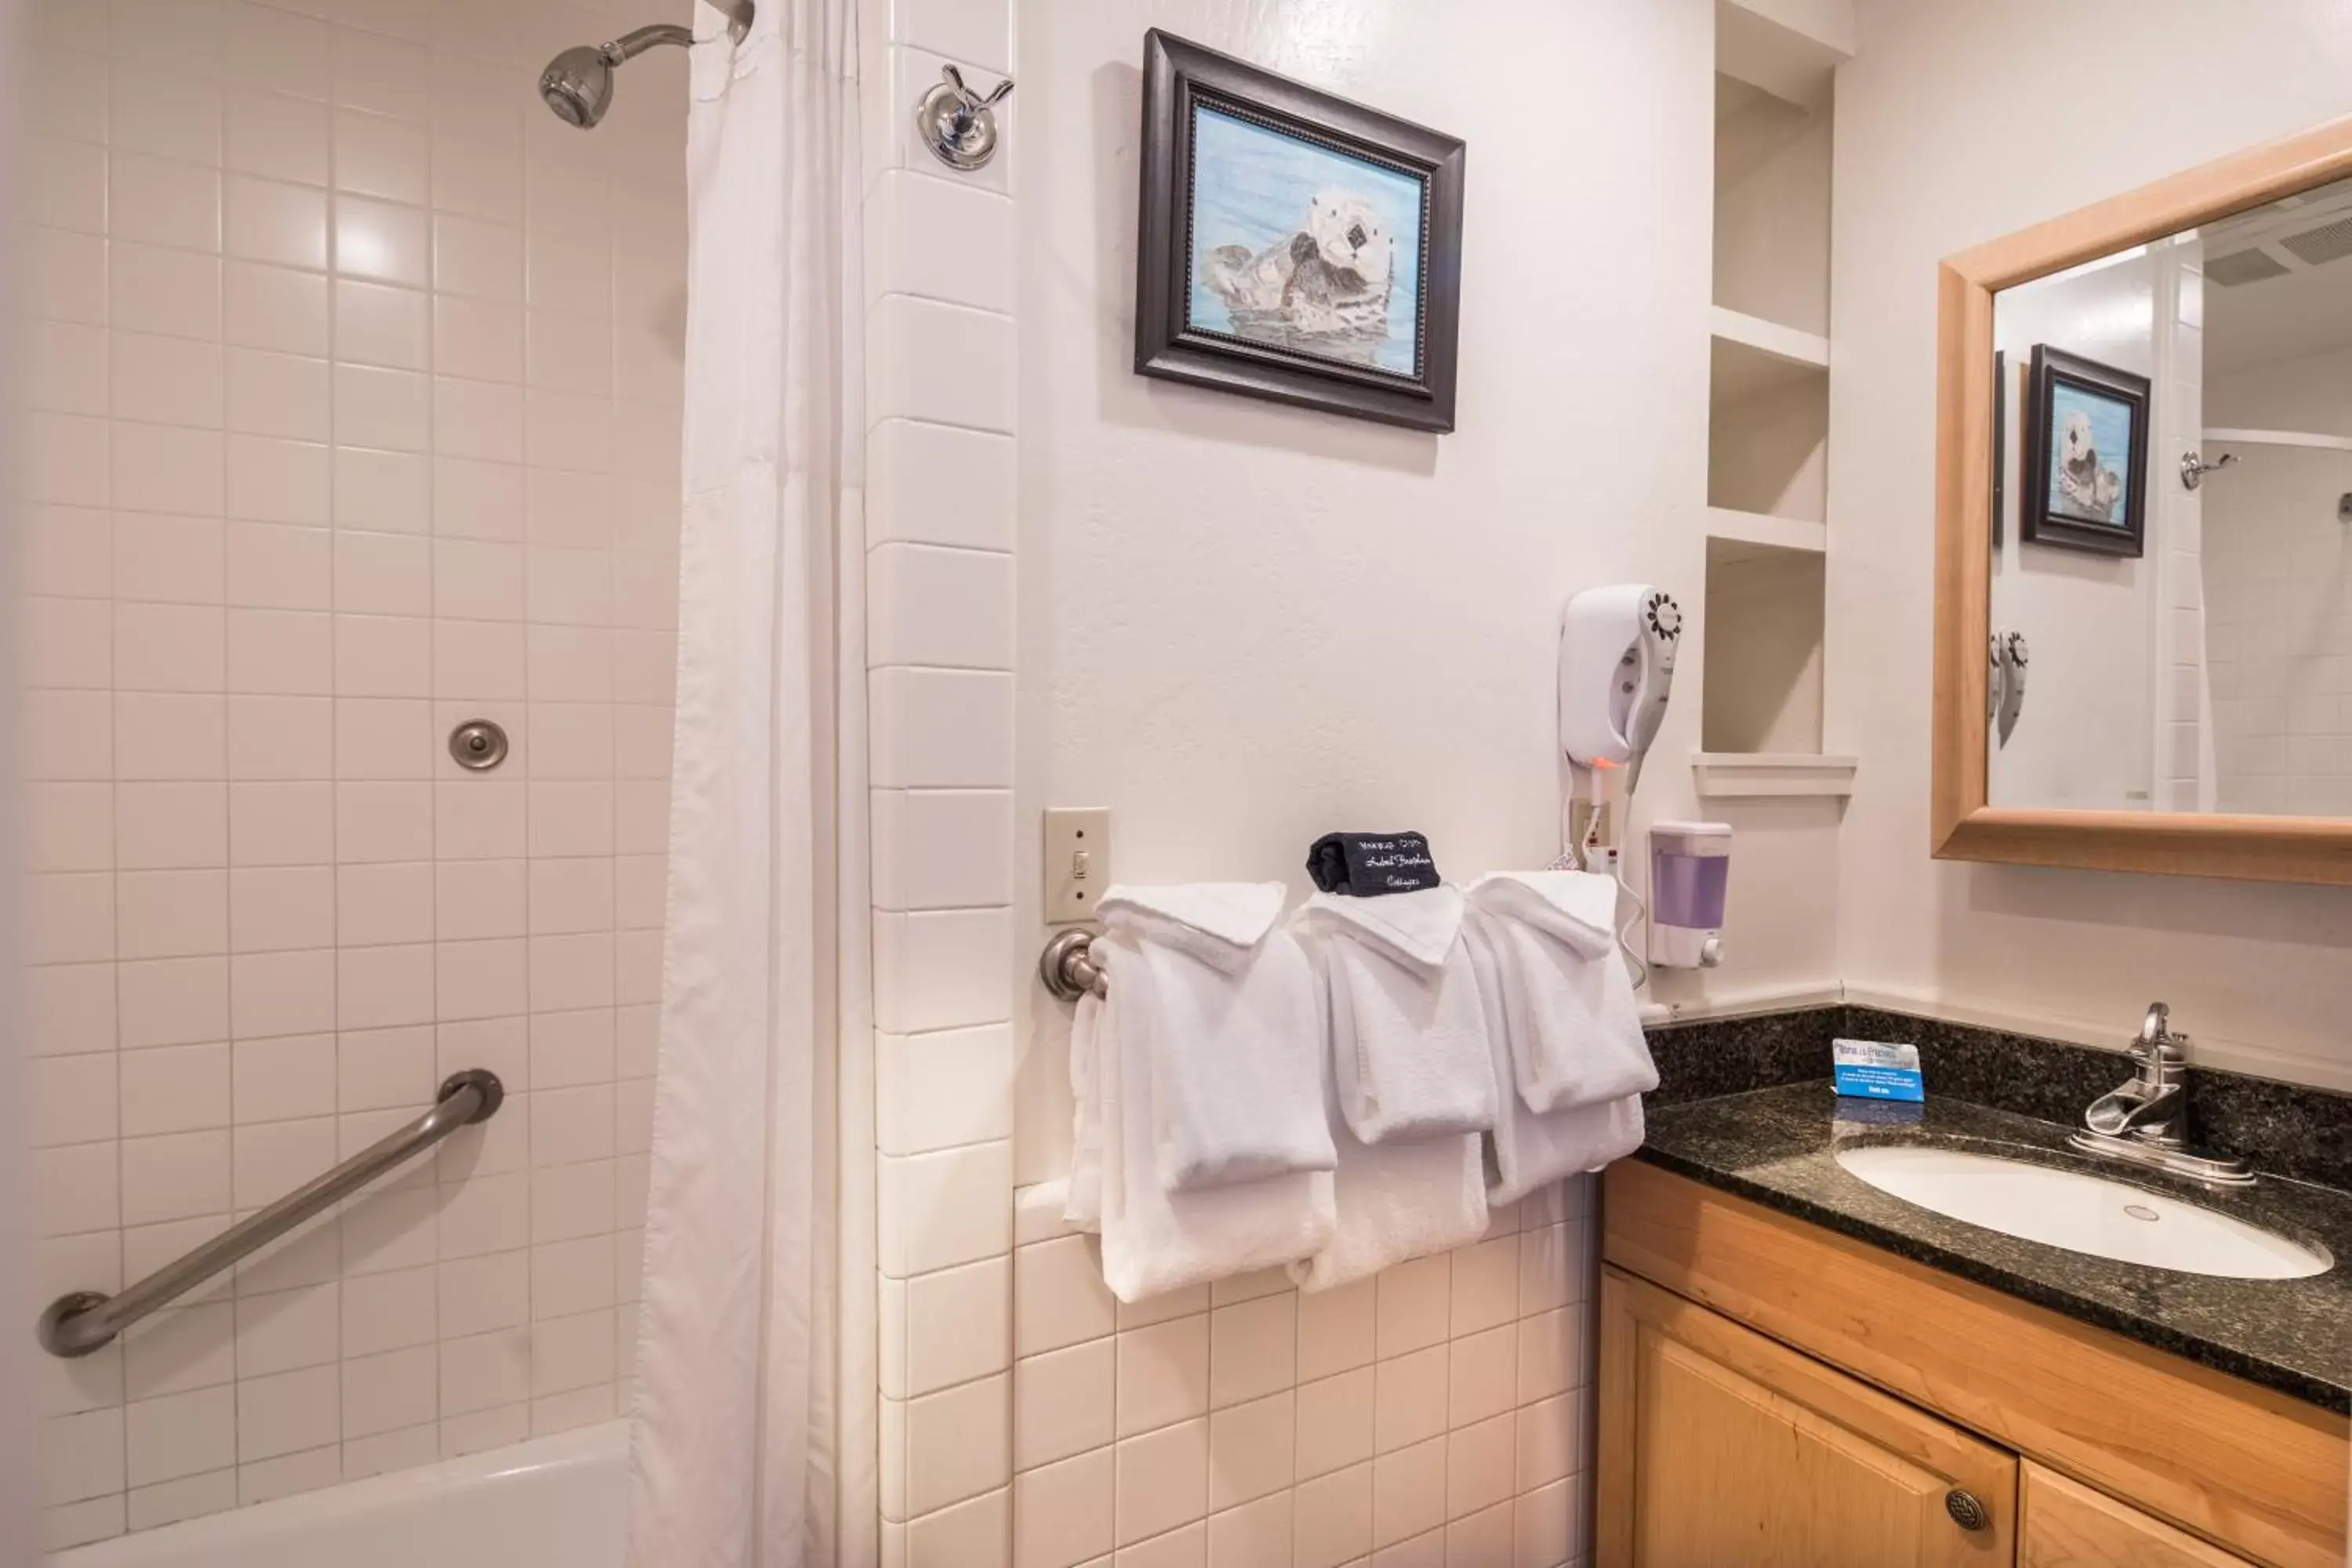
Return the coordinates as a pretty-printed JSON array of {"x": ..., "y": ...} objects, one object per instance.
[{"x": 1966, "y": 1510}]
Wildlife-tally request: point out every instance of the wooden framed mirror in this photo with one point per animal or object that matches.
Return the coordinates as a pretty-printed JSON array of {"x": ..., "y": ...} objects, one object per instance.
[{"x": 2143, "y": 580}]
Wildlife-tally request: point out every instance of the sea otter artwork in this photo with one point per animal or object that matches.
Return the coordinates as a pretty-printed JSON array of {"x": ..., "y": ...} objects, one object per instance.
[
  {"x": 2087, "y": 489},
  {"x": 1299, "y": 245},
  {"x": 1295, "y": 247},
  {"x": 2087, "y": 449},
  {"x": 1324, "y": 288}
]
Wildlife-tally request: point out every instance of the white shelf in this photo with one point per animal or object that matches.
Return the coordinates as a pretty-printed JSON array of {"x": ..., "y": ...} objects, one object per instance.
[
  {"x": 2282, "y": 438},
  {"x": 1777, "y": 533},
  {"x": 1791, "y": 48},
  {"x": 1762, "y": 774},
  {"x": 1770, "y": 338}
]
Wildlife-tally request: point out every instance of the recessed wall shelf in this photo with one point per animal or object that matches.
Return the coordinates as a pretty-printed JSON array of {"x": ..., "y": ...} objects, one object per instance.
[
  {"x": 1759, "y": 528},
  {"x": 2282, "y": 438},
  {"x": 1770, "y": 340},
  {"x": 1755, "y": 774},
  {"x": 1761, "y": 640}
]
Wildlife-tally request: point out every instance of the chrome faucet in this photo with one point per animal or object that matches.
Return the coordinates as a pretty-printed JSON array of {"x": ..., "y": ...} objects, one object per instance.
[
  {"x": 2145, "y": 1120},
  {"x": 2148, "y": 1107}
]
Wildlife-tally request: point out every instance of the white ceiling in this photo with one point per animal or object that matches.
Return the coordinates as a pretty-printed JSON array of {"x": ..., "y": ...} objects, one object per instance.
[{"x": 2308, "y": 311}]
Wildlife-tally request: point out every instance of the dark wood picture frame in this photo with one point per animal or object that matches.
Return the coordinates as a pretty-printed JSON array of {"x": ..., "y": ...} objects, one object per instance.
[
  {"x": 2049, "y": 368},
  {"x": 1179, "y": 78}
]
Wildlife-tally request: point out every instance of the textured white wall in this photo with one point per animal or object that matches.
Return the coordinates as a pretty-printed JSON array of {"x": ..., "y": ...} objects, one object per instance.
[
  {"x": 1243, "y": 625},
  {"x": 1936, "y": 151},
  {"x": 2083, "y": 737}
]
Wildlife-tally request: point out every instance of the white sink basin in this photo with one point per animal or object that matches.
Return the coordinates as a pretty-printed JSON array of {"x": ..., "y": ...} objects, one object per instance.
[{"x": 2081, "y": 1213}]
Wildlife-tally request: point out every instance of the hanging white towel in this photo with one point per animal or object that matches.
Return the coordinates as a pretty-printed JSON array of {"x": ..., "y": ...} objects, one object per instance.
[
  {"x": 1219, "y": 923},
  {"x": 1568, "y": 1003},
  {"x": 1398, "y": 1200},
  {"x": 1083, "y": 1206},
  {"x": 1527, "y": 1151},
  {"x": 1408, "y": 1053},
  {"x": 1154, "y": 1240},
  {"x": 1222, "y": 1005}
]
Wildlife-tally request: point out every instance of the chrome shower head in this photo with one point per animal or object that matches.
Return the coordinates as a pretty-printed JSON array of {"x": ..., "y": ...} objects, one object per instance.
[{"x": 578, "y": 83}]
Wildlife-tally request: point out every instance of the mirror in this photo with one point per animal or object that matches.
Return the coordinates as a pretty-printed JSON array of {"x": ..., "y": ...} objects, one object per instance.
[
  {"x": 2145, "y": 528},
  {"x": 2172, "y": 561}
]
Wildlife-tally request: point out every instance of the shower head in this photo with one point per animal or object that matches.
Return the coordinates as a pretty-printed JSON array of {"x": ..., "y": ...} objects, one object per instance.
[{"x": 578, "y": 83}]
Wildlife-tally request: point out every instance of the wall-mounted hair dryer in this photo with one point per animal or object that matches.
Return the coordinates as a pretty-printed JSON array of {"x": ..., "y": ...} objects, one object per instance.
[{"x": 1617, "y": 647}]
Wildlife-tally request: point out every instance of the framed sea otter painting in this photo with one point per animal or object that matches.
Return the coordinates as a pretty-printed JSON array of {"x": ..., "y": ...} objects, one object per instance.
[
  {"x": 2085, "y": 454},
  {"x": 1294, "y": 245}
]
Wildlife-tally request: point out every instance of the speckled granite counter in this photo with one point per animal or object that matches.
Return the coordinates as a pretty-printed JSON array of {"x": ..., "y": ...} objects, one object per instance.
[{"x": 1778, "y": 1147}]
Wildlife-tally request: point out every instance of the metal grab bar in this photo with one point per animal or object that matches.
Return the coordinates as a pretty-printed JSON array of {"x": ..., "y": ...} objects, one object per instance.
[{"x": 83, "y": 1321}]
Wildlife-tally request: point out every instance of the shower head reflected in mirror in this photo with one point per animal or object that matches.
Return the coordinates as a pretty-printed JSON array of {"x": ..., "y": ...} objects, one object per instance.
[{"x": 578, "y": 83}]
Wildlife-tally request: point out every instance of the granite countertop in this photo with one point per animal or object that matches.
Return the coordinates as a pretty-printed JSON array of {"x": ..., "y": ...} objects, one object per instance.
[{"x": 1778, "y": 1147}]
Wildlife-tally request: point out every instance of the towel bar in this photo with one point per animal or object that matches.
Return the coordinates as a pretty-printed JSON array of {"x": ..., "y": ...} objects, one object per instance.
[{"x": 1068, "y": 969}]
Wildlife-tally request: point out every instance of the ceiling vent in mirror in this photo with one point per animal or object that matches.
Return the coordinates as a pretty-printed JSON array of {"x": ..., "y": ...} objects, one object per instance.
[
  {"x": 2243, "y": 267},
  {"x": 2331, "y": 243}
]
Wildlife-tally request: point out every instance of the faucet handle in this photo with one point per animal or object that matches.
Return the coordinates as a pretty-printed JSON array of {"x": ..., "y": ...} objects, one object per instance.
[
  {"x": 2156, "y": 1050},
  {"x": 2157, "y": 1045}
]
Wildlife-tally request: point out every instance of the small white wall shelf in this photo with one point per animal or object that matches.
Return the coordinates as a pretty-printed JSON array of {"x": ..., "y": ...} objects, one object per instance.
[
  {"x": 2282, "y": 438},
  {"x": 1757, "y": 775},
  {"x": 1759, "y": 528},
  {"x": 1770, "y": 340}
]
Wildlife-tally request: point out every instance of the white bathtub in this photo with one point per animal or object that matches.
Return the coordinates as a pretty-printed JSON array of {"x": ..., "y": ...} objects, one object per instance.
[{"x": 552, "y": 1502}]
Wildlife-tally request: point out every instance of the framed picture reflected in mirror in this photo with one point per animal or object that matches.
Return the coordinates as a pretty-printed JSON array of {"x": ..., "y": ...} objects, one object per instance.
[{"x": 2087, "y": 433}]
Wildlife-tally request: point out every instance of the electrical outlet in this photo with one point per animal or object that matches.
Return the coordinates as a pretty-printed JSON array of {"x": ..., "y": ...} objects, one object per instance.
[
  {"x": 1580, "y": 822},
  {"x": 1078, "y": 862}
]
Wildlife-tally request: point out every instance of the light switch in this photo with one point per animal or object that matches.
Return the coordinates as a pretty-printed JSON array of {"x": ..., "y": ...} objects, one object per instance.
[{"x": 1078, "y": 862}]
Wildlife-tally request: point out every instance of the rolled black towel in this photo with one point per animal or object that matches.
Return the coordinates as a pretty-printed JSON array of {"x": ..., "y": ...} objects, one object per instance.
[{"x": 1367, "y": 864}]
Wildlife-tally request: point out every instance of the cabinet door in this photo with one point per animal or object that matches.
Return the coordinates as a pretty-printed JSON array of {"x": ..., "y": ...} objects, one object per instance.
[
  {"x": 2068, "y": 1525},
  {"x": 1720, "y": 1448}
]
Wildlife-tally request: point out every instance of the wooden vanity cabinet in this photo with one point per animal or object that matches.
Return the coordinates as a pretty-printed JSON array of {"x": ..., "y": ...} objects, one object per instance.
[
  {"x": 1774, "y": 1392},
  {"x": 1737, "y": 1450},
  {"x": 2068, "y": 1525}
]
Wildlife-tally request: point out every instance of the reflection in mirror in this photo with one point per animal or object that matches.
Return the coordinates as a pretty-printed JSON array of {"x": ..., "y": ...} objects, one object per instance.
[{"x": 2171, "y": 604}]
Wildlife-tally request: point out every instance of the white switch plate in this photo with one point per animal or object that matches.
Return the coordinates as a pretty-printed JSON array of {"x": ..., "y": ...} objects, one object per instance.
[{"x": 1077, "y": 861}]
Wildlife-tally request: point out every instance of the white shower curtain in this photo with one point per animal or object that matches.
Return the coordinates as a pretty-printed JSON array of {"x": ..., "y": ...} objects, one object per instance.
[{"x": 753, "y": 1444}]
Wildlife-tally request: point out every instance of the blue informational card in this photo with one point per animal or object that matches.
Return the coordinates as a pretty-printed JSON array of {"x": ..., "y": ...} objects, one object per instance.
[{"x": 1869, "y": 1069}]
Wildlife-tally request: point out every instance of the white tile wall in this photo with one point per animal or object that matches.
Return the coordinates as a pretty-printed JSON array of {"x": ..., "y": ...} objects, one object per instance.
[
  {"x": 2278, "y": 588},
  {"x": 1437, "y": 1414},
  {"x": 940, "y": 643},
  {"x": 349, "y": 411}
]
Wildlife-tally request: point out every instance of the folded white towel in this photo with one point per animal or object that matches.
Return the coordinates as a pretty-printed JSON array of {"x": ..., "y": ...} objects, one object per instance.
[
  {"x": 1526, "y": 1151},
  {"x": 1219, "y": 923},
  {"x": 1398, "y": 1200},
  {"x": 1154, "y": 1240},
  {"x": 1222, "y": 1004},
  {"x": 1409, "y": 1052},
  {"x": 1083, "y": 1206},
  {"x": 1568, "y": 1003}
]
